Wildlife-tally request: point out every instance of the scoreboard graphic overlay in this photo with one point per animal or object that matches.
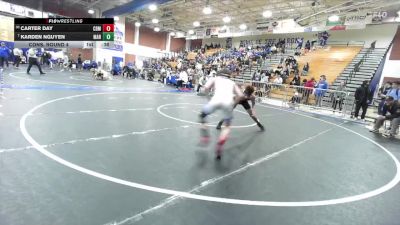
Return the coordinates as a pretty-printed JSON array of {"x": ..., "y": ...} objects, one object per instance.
[{"x": 63, "y": 33}]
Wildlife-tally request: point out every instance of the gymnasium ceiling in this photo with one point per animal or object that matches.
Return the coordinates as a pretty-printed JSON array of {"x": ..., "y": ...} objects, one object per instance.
[{"x": 179, "y": 15}]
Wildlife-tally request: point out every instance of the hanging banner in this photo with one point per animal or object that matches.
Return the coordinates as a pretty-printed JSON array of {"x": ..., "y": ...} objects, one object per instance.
[
  {"x": 357, "y": 19},
  {"x": 263, "y": 26},
  {"x": 338, "y": 27}
]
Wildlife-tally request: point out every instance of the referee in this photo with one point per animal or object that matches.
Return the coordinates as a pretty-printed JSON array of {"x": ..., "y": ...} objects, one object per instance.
[{"x": 33, "y": 61}]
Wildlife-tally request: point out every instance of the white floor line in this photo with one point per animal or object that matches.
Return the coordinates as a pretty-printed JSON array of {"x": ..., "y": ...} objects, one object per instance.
[
  {"x": 96, "y": 111},
  {"x": 95, "y": 138},
  {"x": 173, "y": 199}
]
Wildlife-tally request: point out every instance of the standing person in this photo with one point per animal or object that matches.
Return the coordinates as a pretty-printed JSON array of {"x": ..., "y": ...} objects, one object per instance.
[
  {"x": 79, "y": 63},
  {"x": 65, "y": 61},
  {"x": 320, "y": 90},
  {"x": 308, "y": 88},
  {"x": 338, "y": 96},
  {"x": 393, "y": 108},
  {"x": 202, "y": 82},
  {"x": 33, "y": 61},
  {"x": 4, "y": 53},
  {"x": 17, "y": 57},
  {"x": 307, "y": 47},
  {"x": 362, "y": 96},
  {"x": 224, "y": 92},
  {"x": 248, "y": 96}
]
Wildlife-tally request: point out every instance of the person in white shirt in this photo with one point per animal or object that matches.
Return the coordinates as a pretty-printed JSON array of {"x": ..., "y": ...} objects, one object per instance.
[
  {"x": 278, "y": 80},
  {"x": 202, "y": 82},
  {"x": 223, "y": 99},
  {"x": 65, "y": 62},
  {"x": 17, "y": 57},
  {"x": 33, "y": 61},
  {"x": 183, "y": 78}
]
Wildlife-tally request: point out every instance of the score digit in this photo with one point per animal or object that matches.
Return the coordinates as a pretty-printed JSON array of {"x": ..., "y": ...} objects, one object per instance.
[
  {"x": 108, "y": 36},
  {"x": 108, "y": 27}
]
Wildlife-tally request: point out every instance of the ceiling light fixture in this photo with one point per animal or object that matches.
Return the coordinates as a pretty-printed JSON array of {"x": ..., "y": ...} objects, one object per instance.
[
  {"x": 172, "y": 34},
  {"x": 153, "y": 7},
  {"x": 397, "y": 19},
  {"x": 154, "y": 21},
  {"x": 243, "y": 26},
  {"x": 116, "y": 18},
  {"x": 179, "y": 34},
  {"x": 267, "y": 14},
  {"x": 196, "y": 23},
  {"x": 90, "y": 11},
  {"x": 226, "y": 19},
  {"x": 137, "y": 24},
  {"x": 333, "y": 18},
  {"x": 207, "y": 10},
  {"x": 156, "y": 29},
  {"x": 191, "y": 32}
]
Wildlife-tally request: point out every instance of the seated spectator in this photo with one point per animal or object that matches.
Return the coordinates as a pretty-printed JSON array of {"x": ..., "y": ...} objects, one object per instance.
[
  {"x": 295, "y": 99},
  {"x": 278, "y": 81},
  {"x": 183, "y": 78},
  {"x": 395, "y": 91},
  {"x": 391, "y": 111},
  {"x": 383, "y": 91},
  {"x": 296, "y": 80}
]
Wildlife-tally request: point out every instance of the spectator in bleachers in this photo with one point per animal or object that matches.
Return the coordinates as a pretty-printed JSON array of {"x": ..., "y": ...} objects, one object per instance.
[
  {"x": 324, "y": 38},
  {"x": 307, "y": 46},
  {"x": 383, "y": 91},
  {"x": 306, "y": 68},
  {"x": 391, "y": 111},
  {"x": 278, "y": 81},
  {"x": 321, "y": 88},
  {"x": 296, "y": 80},
  {"x": 299, "y": 42},
  {"x": 362, "y": 96}
]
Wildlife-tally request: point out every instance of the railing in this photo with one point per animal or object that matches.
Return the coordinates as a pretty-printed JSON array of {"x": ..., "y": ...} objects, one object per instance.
[
  {"x": 357, "y": 66},
  {"x": 347, "y": 43},
  {"x": 303, "y": 98}
]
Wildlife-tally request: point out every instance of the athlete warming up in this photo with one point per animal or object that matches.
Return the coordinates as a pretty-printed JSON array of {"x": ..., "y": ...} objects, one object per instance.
[
  {"x": 248, "y": 96},
  {"x": 224, "y": 92}
]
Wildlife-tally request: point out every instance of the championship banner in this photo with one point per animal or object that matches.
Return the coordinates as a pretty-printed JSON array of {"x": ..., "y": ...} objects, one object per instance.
[
  {"x": 263, "y": 26},
  {"x": 200, "y": 33},
  {"x": 357, "y": 19},
  {"x": 338, "y": 27}
]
